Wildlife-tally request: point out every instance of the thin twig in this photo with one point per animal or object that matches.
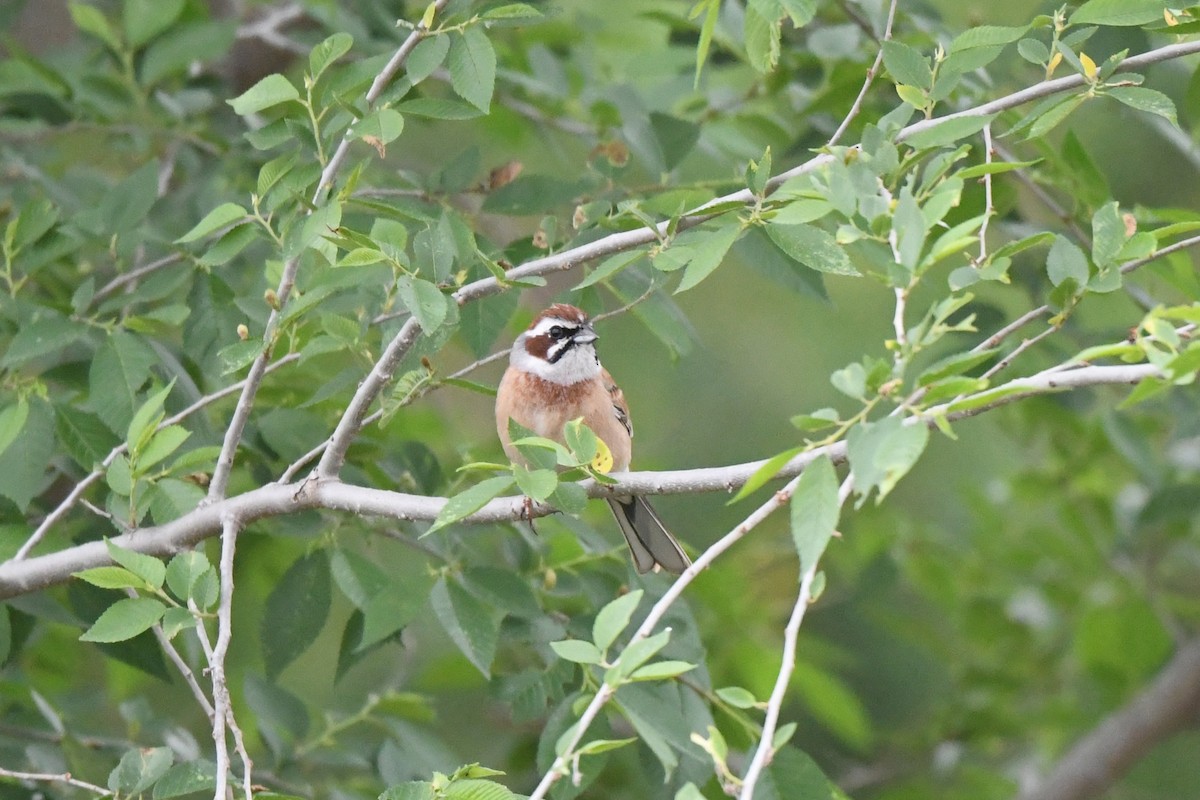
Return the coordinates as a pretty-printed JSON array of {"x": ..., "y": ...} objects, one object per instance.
[
  {"x": 872, "y": 71},
  {"x": 127, "y": 278},
  {"x": 48, "y": 777},
  {"x": 989, "y": 207},
  {"x": 185, "y": 670},
  {"x": 766, "y": 744},
  {"x": 216, "y": 664}
]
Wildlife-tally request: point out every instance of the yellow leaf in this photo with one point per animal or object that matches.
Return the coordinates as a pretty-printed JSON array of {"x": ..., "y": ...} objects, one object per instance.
[
  {"x": 1055, "y": 60},
  {"x": 603, "y": 460},
  {"x": 1170, "y": 18},
  {"x": 1089, "y": 66}
]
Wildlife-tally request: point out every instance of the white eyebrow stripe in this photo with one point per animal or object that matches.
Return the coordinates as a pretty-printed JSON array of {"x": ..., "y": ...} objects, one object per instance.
[{"x": 543, "y": 327}]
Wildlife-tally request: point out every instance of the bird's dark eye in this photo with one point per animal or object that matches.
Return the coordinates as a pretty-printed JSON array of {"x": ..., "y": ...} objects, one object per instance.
[{"x": 558, "y": 332}]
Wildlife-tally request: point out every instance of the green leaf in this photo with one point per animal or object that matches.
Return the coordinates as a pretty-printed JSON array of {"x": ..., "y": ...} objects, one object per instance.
[
  {"x": 762, "y": 36},
  {"x": 470, "y": 624},
  {"x": 381, "y": 126},
  {"x": 537, "y": 484},
  {"x": 12, "y": 419},
  {"x": 987, "y": 36},
  {"x": 427, "y": 56},
  {"x": 1108, "y": 234},
  {"x": 469, "y": 501},
  {"x": 390, "y": 609},
  {"x": 148, "y": 568},
  {"x": 218, "y": 218},
  {"x": 955, "y": 364},
  {"x": 47, "y": 334},
  {"x": 766, "y": 472},
  {"x": 1143, "y": 99},
  {"x": 661, "y": 671},
  {"x": 1118, "y": 12},
  {"x": 426, "y": 302},
  {"x": 145, "y": 19},
  {"x": 171, "y": 498},
  {"x": 635, "y": 655},
  {"x": 189, "y": 778},
  {"x": 813, "y": 247},
  {"x": 111, "y": 578},
  {"x": 614, "y": 618},
  {"x": 513, "y": 11},
  {"x": 185, "y": 44},
  {"x": 532, "y": 194},
  {"x": 737, "y": 697},
  {"x": 184, "y": 570},
  {"x": 578, "y": 651},
  {"x": 814, "y": 511},
  {"x": 882, "y": 452},
  {"x": 439, "y": 108},
  {"x": 1051, "y": 117},
  {"x": 90, "y": 20},
  {"x": 139, "y": 769},
  {"x": 125, "y": 619},
  {"x": 24, "y": 462},
  {"x": 707, "y": 253},
  {"x": 1066, "y": 261},
  {"x": 906, "y": 65},
  {"x": 270, "y": 91},
  {"x": 328, "y": 52},
  {"x": 146, "y": 418},
  {"x": 295, "y": 612},
  {"x": 161, "y": 445},
  {"x": 676, "y": 137},
  {"x": 472, "y": 66}
]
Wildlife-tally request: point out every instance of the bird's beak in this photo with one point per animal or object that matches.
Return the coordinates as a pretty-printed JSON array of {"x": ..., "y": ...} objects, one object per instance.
[{"x": 586, "y": 335}]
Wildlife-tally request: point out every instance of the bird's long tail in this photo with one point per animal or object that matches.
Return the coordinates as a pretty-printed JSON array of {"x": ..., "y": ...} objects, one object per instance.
[{"x": 649, "y": 540}]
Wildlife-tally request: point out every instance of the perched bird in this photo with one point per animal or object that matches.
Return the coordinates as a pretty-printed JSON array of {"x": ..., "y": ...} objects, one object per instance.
[{"x": 554, "y": 376}]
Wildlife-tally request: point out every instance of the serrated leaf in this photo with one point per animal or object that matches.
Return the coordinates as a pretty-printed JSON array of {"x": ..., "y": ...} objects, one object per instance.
[
  {"x": 881, "y": 453},
  {"x": 470, "y": 624},
  {"x": 327, "y": 52},
  {"x": 469, "y": 501},
  {"x": 148, "y": 568},
  {"x": 813, "y": 247},
  {"x": 295, "y": 612},
  {"x": 188, "y": 778},
  {"x": 162, "y": 445},
  {"x": 578, "y": 651},
  {"x": 1118, "y": 12},
  {"x": 139, "y": 769},
  {"x": 424, "y": 300},
  {"x": 472, "y": 66},
  {"x": 614, "y": 618},
  {"x": 146, "y": 418},
  {"x": 380, "y": 127},
  {"x": 1143, "y": 99},
  {"x": 111, "y": 578},
  {"x": 1066, "y": 261},
  {"x": 766, "y": 472},
  {"x": 762, "y": 38},
  {"x": 707, "y": 254},
  {"x": 183, "y": 570},
  {"x": 906, "y": 65},
  {"x": 814, "y": 511},
  {"x": 125, "y": 619},
  {"x": 218, "y": 218}
]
